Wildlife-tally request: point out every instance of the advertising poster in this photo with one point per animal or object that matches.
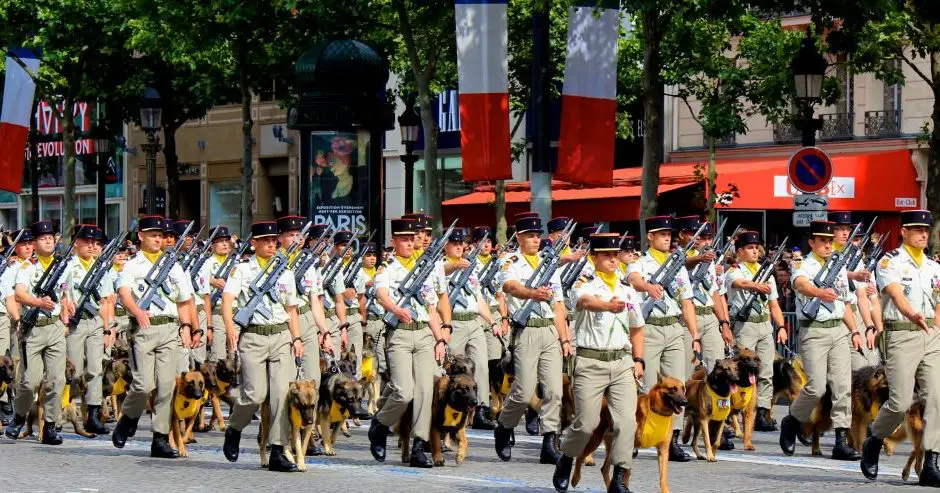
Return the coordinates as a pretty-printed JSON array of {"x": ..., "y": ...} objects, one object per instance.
[{"x": 339, "y": 181}]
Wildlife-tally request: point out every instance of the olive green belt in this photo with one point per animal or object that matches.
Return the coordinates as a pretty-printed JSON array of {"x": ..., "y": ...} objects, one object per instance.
[
  {"x": 540, "y": 322},
  {"x": 411, "y": 326},
  {"x": 662, "y": 321},
  {"x": 329, "y": 313},
  {"x": 120, "y": 311},
  {"x": 200, "y": 308},
  {"x": 893, "y": 326},
  {"x": 758, "y": 319},
  {"x": 704, "y": 310},
  {"x": 158, "y": 320},
  {"x": 373, "y": 318},
  {"x": 44, "y": 321},
  {"x": 828, "y": 324},
  {"x": 265, "y": 330},
  {"x": 464, "y": 316},
  {"x": 601, "y": 354},
  {"x": 303, "y": 310}
]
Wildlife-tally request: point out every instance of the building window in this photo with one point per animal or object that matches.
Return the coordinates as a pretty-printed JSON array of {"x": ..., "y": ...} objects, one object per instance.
[
  {"x": 112, "y": 218},
  {"x": 450, "y": 180},
  {"x": 225, "y": 199}
]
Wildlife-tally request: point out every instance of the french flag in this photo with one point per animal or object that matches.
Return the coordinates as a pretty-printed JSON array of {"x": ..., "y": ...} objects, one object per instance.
[
  {"x": 483, "y": 77},
  {"x": 18, "y": 93},
  {"x": 589, "y": 95}
]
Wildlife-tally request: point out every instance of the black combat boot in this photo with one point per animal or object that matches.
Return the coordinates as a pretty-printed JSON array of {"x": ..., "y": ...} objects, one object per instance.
[
  {"x": 727, "y": 439},
  {"x": 503, "y": 438},
  {"x": 314, "y": 449},
  {"x": 481, "y": 419},
  {"x": 789, "y": 427},
  {"x": 562, "y": 474},
  {"x": 929, "y": 475},
  {"x": 160, "y": 447},
  {"x": 6, "y": 412},
  {"x": 616, "y": 482},
  {"x": 676, "y": 454},
  {"x": 378, "y": 436},
  {"x": 419, "y": 455},
  {"x": 842, "y": 450},
  {"x": 531, "y": 421},
  {"x": 871, "y": 448},
  {"x": 550, "y": 454},
  {"x": 50, "y": 436},
  {"x": 125, "y": 428},
  {"x": 278, "y": 462},
  {"x": 15, "y": 427},
  {"x": 763, "y": 421},
  {"x": 230, "y": 447},
  {"x": 93, "y": 424}
]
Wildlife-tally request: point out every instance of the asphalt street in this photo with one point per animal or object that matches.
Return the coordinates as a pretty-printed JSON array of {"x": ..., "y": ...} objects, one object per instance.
[{"x": 94, "y": 465}]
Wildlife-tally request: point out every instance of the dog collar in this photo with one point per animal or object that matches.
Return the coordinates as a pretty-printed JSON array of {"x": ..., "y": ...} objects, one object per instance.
[
  {"x": 337, "y": 413},
  {"x": 452, "y": 417},
  {"x": 507, "y": 384}
]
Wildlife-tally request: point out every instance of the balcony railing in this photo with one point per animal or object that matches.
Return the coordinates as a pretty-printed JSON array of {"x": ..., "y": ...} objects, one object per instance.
[
  {"x": 726, "y": 141},
  {"x": 837, "y": 126},
  {"x": 786, "y": 133},
  {"x": 883, "y": 123}
]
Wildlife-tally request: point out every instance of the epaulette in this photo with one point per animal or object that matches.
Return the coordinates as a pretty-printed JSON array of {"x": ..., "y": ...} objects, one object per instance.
[{"x": 892, "y": 253}]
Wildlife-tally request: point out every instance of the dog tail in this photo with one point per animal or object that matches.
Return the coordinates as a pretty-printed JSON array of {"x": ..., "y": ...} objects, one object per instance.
[
  {"x": 576, "y": 475},
  {"x": 687, "y": 431}
]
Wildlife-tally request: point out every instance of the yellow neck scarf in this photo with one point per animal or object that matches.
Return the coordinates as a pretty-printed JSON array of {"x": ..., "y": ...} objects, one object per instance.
[
  {"x": 610, "y": 279},
  {"x": 220, "y": 258},
  {"x": 370, "y": 271},
  {"x": 417, "y": 253},
  {"x": 659, "y": 256},
  {"x": 916, "y": 253},
  {"x": 263, "y": 262},
  {"x": 346, "y": 260},
  {"x": 117, "y": 268},
  {"x": 408, "y": 262},
  {"x": 838, "y": 246},
  {"x": 86, "y": 264},
  {"x": 152, "y": 257},
  {"x": 752, "y": 266},
  {"x": 623, "y": 267},
  {"x": 533, "y": 260},
  {"x": 484, "y": 258},
  {"x": 453, "y": 260},
  {"x": 818, "y": 258},
  {"x": 45, "y": 262}
]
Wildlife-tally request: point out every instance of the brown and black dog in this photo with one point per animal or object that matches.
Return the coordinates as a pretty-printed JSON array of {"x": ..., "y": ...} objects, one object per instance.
[
  {"x": 913, "y": 427},
  {"x": 788, "y": 380},
  {"x": 452, "y": 408},
  {"x": 340, "y": 396},
  {"x": 74, "y": 389},
  {"x": 226, "y": 377},
  {"x": 189, "y": 397},
  {"x": 7, "y": 372},
  {"x": 654, "y": 412},
  {"x": 744, "y": 401},
  {"x": 116, "y": 379},
  {"x": 709, "y": 405},
  {"x": 869, "y": 392},
  {"x": 302, "y": 406},
  {"x": 370, "y": 374}
]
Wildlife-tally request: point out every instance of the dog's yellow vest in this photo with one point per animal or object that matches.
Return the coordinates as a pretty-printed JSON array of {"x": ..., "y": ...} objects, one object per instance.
[
  {"x": 119, "y": 387},
  {"x": 452, "y": 417},
  {"x": 295, "y": 420},
  {"x": 368, "y": 368},
  {"x": 798, "y": 366},
  {"x": 3, "y": 388},
  {"x": 185, "y": 408},
  {"x": 66, "y": 395},
  {"x": 223, "y": 386},
  {"x": 721, "y": 405},
  {"x": 741, "y": 398},
  {"x": 507, "y": 384},
  {"x": 656, "y": 429},
  {"x": 337, "y": 414}
]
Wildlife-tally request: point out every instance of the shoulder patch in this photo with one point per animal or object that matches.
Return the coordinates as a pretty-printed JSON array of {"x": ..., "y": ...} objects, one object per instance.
[{"x": 884, "y": 263}]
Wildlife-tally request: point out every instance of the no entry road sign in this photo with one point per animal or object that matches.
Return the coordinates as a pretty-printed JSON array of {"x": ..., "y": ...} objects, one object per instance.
[{"x": 810, "y": 170}]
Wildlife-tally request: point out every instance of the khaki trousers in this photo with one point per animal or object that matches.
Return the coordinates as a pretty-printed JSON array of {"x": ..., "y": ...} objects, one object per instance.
[
  {"x": 311, "y": 357},
  {"x": 6, "y": 336},
  {"x": 911, "y": 355},
  {"x": 536, "y": 359},
  {"x": 412, "y": 366},
  {"x": 469, "y": 338},
  {"x": 664, "y": 352},
  {"x": 267, "y": 371},
  {"x": 760, "y": 338},
  {"x": 495, "y": 344},
  {"x": 85, "y": 347},
  {"x": 868, "y": 357},
  {"x": 153, "y": 367},
  {"x": 381, "y": 347},
  {"x": 43, "y": 361},
  {"x": 354, "y": 340},
  {"x": 826, "y": 360},
  {"x": 594, "y": 379},
  {"x": 119, "y": 326},
  {"x": 189, "y": 358},
  {"x": 199, "y": 353},
  {"x": 218, "y": 350},
  {"x": 713, "y": 346}
]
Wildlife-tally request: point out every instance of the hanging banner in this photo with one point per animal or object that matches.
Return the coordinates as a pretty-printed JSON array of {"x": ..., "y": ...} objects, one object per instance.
[{"x": 19, "y": 90}]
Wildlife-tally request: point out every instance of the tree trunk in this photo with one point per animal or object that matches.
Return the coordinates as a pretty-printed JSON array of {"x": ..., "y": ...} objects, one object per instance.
[
  {"x": 933, "y": 154},
  {"x": 247, "y": 169},
  {"x": 432, "y": 193},
  {"x": 711, "y": 187},
  {"x": 172, "y": 170},
  {"x": 68, "y": 145},
  {"x": 500, "y": 212},
  {"x": 652, "y": 118}
]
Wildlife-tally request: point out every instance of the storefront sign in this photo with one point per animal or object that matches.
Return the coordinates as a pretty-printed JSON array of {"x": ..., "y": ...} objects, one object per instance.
[
  {"x": 841, "y": 187},
  {"x": 339, "y": 181},
  {"x": 903, "y": 202},
  {"x": 448, "y": 111}
]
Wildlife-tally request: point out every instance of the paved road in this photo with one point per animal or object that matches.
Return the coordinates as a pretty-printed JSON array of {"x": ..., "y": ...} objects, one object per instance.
[{"x": 93, "y": 465}]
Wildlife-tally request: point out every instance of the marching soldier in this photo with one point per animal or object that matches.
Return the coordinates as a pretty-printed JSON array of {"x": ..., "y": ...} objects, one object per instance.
[
  {"x": 609, "y": 331},
  {"x": 347, "y": 306},
  {"x": 197, "y": 354},
  {"x": 267, "y": 348},
  {"x": 756, "y": 333},
  {"x": 664, "y": 347},
  {"x": 555, "y": 228},
  {"x": 120, "y": 322},
  {"x": 153, "y": 336},
  {"x": 628, "y": 255},
  {"x": 538, "y": 348},
  {"x": 824, "y": 346},
  {"x": 9, "y": 310},
  {"x": 472, "y": 320},
  {"x": 857, "y": 294},
  {"x": 372, "y": 309},
  {"x": 413, "y": 346},
  {"x": 43, "y": 349},
  {"x": 495, "y": 340},
  {"x": 86, "y": 342},
  {"x": 910, "y": 282},
  {"x": 207, "y": 283}
]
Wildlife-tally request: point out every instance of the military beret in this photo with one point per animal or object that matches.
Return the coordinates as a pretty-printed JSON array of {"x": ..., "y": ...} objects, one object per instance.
[
  {"x": 915, "y": 218},
  {"x": 658, "y": 223},
  {"x": 587, "y": 231},
  {"x": 42, "y": 228},
  {"x": 263, "y": 229},
  {"x": 426, "y": 222},
  {"x": 291, "y": 223},
  {"x": 150, "y": 223}
]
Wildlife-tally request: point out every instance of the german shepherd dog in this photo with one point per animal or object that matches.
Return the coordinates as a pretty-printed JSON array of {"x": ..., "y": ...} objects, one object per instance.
[
  {"x": 913, "y": 427},
  {"x": 302, "y": 406},
  {"x": 452, "y": 409},
  {"x": 340, "y": 396},
  {"x": 869, "y": 392},
  {"x": 370, "y": 375},
  {"x": 666, "y": 398},
  {"x": 74, "y": 389},
  {"x": 788, "y": 380},
  {"x": 188, "y": 398},
  {"x": 703, "y": 389},
  {"x": 7, "y": 372},
  {"x": 226, "y": 377},
  {"x": 744, "y": 401},
  {"x": 116, "y": 379},
  {"x": 501, "y": 379}
]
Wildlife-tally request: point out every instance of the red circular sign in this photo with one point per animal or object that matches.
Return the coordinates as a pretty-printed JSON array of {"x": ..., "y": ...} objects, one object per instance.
[{"x": 810, "y": 169}]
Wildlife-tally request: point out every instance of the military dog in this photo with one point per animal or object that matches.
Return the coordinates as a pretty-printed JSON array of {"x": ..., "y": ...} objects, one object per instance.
[
  {"x": 116, "y": 379},
  {"x": 74, "y": 389},
  {"x": 226, "y": 377},
  {"x": 788, "y": 381},
  {"x": 6, "y": 373},
  {"x": 744, "y": 401},
  {"x": 340, "y": 396},
  {"x": 370, "y": 377},
  {"x": 869, "y": 392},
  {"x": 454, "y": 403},
  {"x": 188, "y": 398},
  {"x": 709, "y": 405},
  {"x": 302, "y": 406}
]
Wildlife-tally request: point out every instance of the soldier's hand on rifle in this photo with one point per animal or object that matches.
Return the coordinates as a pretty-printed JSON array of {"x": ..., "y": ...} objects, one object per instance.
[
  {"x": 707, "y": 257},
  {"x": 782, "y": 335},
  {"x": 828, "y": 295},
  {"x": 404, "y": 316},
  {"x": 217, "y": 283},
  {"x": 543, "y": 293},
  {"x": 46, "y": 304},
  {"x": 615, "y": 305},
  {"x": 298, "y": 347},
  {"x": 349, "y": 294},
  {"x": 719, "y": 270},
  {"x": 655, "y": 291},
  {"x": 762, "y": 288}
]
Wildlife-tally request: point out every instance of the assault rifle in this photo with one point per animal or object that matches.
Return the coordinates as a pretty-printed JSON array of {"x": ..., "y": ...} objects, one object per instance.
[
  {"x": 90, "y": 298},
  {"x": 828, "y": 274},
  {"x": 488, "y": 274},
  {"x": 156, "y": 279},
  {"x": 726, "y": 249},
  {"x": 352, "y": 270},
  {"x": 665, "y": 276},
  {"x": 5, "y": 262},
  {"x": 187, "y": 258},
  {"x": 410, "y": 287},
  {"x": 226, "y": 268},
  {"x": 306, "y": 259},
  {"x": 458, "y": 282},
  {"x": 874, "y": 254},
  {"x": 265, "y": 284},
  {"x": 858, "y": 253},
  {"x": 542, "y": 275},
  {"x": 200, "y": 257},
  {"x": 46, "y": 287},
  {"x": 571, "y": 272},
  {"x": 334, "y": 265},
  {"x": 763, "y": 274},
  {"x": 698, "y": 278}
]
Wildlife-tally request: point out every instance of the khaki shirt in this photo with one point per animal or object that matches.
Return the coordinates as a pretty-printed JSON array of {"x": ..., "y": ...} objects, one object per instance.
[
  {"x": 737, "y": 297},
  {"x": 471, "y": 292},
  {"x": 209, "y": 269},
  {"x": 717, "y": 283},
  {"x": 136, "y": 270},
  {"x": 391, "y": 277},
  {"x": 921, "y": 285},
  {"x": 808, "y": 268},
  {"x": 75, "y": 273},
  {"x": 29, "y": 274},
  {"x": 478, "y": 271},
  {"x": 646, "y": 266},
  {"x": 8, "y": 281},
  {"x": 606, "y": 330},
  {"x": 239, "y": 284},
  {"x": 517, "y": 268}
]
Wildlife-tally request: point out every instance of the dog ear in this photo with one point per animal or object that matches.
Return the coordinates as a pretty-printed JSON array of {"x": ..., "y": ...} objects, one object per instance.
[{"x": 183, "y": 374}]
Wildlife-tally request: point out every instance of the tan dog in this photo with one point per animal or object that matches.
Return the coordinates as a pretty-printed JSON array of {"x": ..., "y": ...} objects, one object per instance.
[
  {"x": 744, "y": 401},
  {"x": 370, "y": 374},
  {"x": 188, "y": 398},
  {"x": 116, "y": 379},
  {"x": 226, "y": 376},
  {"x": 74, "y": 389},
  {"x": 339, "y": 397},
  {"x": 709, "y": 406},
  {"x": 452, "y": 409},
  {"x": 302, "y": 406}
]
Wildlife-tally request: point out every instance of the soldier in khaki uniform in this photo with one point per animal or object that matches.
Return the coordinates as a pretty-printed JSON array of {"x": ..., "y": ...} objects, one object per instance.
[
  {"x": 10, "y": 314},
  {"x": 206, "y": 283},
  {"x": 153, "y": 338},
  {"x": 756, "y": 332},
  {"x": 910, "y": 283},
  {"x": 43, "y": 348},
  {"x": 413, "y": 347},
  {"x": 267, "y": 346},
  {"x": 334, "y": 297},
  {"x": 493, "y": 296},
  {"x": 664, "y": 341},
  {"x": 191, "y": 350},
  {"x": 824, "y": 348},
  {"x": 120, "y": 322},
  {"x": 537, "y": 348},
  {"x": 372, "y": 310},
  {"x": 609, "y": 331}
]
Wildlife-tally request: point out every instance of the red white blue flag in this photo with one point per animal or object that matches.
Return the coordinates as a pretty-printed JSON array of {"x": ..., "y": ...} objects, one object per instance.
[{"x": 18, "y": 93}]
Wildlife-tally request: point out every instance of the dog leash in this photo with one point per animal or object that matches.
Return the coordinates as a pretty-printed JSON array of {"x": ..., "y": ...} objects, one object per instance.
[
  {"x": 790, "y": 354},
  {"x": 331, "y": 365},
  {"x": 729, "y": 351},
  {"x": 299, "y": 362}
]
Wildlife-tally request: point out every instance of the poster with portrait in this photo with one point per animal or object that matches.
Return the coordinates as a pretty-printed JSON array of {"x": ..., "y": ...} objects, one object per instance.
[{"x": 339, "y": 181}]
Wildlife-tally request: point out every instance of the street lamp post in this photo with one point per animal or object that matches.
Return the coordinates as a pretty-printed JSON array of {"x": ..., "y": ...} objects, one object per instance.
[
  {"x": 809, "y": 69},
  {"x": 102, "y": 150},
  {"x": 409, "y": 123},
  {"x": 151, "y": 112}
]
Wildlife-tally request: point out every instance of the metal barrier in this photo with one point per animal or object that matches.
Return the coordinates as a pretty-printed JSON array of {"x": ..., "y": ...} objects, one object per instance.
[{"x": 792, "y": 347}]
